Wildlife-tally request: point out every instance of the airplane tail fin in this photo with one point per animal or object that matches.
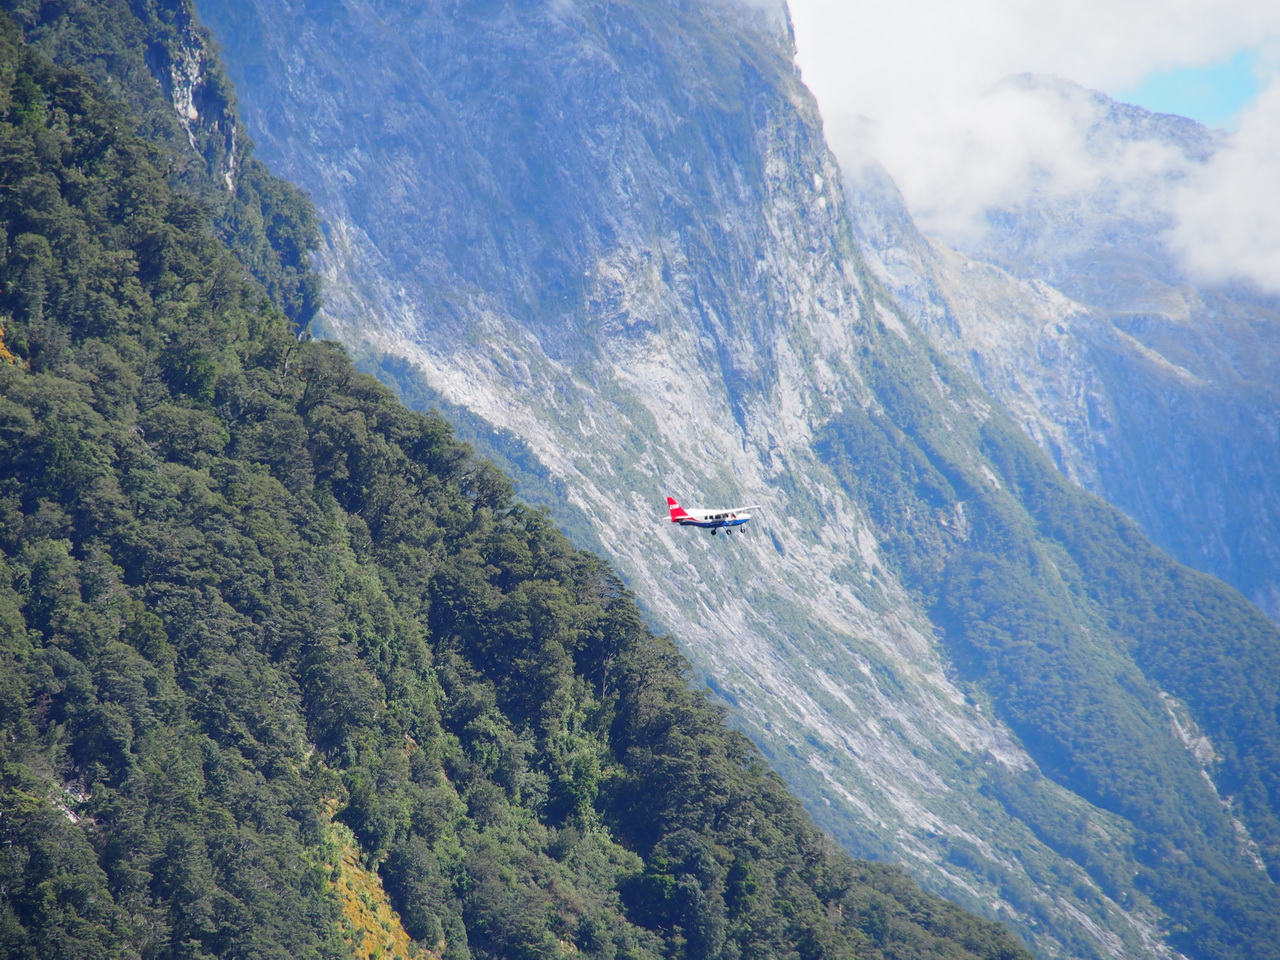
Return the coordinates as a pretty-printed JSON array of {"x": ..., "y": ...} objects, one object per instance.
[{"x": 677, "y": 512}]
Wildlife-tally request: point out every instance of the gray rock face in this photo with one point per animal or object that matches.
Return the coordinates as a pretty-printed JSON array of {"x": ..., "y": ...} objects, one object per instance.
[
  {"x": 1154, "y": 390},
  {"x": 608, "y": 238}
]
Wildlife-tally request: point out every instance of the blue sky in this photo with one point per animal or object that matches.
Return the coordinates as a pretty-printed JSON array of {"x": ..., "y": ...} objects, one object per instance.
[{"x": 1213, "y": 95}]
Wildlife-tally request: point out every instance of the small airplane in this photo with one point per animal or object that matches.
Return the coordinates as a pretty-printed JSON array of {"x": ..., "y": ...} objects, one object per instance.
[{"x": 713, "y": 520}]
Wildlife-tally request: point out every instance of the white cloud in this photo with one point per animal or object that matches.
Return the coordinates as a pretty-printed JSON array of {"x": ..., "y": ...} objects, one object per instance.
[
  {"x": 1228, "y": 213},
  {"x": 915, "y": 84}
]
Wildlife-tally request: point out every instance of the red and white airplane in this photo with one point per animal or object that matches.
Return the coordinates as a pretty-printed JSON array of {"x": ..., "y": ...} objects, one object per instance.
[{"x": 713, "y": 520}]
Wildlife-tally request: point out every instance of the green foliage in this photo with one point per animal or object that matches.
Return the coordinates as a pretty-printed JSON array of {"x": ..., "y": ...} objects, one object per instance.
[{"x": 241, "y": 586}]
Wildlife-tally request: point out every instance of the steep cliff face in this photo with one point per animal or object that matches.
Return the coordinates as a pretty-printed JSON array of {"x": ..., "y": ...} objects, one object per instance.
[
  {"x": 1152, "y": 389},
  {"x": 611, "y": 237},
  {"x": 187, "y": 73}
]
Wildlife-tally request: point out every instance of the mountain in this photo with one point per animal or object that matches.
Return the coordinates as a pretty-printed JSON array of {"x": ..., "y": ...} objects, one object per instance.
[
  {"x": 1149, "y": 386},
  {"x": 608, "y": 240},
  {"x": 285, "y": 671}
]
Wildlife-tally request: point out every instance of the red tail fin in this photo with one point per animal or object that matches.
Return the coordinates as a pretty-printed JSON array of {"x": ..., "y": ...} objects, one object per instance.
[{"x": 677, "y": 511}]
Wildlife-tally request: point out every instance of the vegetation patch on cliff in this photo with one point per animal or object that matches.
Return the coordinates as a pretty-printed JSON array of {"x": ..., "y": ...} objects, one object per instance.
[{"x": 370, "y": 925}]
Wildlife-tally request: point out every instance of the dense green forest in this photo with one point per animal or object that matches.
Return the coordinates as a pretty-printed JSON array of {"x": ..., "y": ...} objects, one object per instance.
[{"x": 244, "y": 593}]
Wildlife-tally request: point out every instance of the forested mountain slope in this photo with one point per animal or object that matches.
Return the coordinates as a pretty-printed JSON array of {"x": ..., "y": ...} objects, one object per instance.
[
  {"x": 257, "y": 618},
  {"x": 610, "y": 239},
  {"x": 159, "y": 61}
]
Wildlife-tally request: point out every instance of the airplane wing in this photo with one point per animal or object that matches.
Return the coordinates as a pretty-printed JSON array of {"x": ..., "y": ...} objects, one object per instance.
[{"x": 754, "y": 506}]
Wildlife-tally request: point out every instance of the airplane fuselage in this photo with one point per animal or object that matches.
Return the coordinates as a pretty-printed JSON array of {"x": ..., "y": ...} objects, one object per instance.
[{"x": 715, "y": 521}]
